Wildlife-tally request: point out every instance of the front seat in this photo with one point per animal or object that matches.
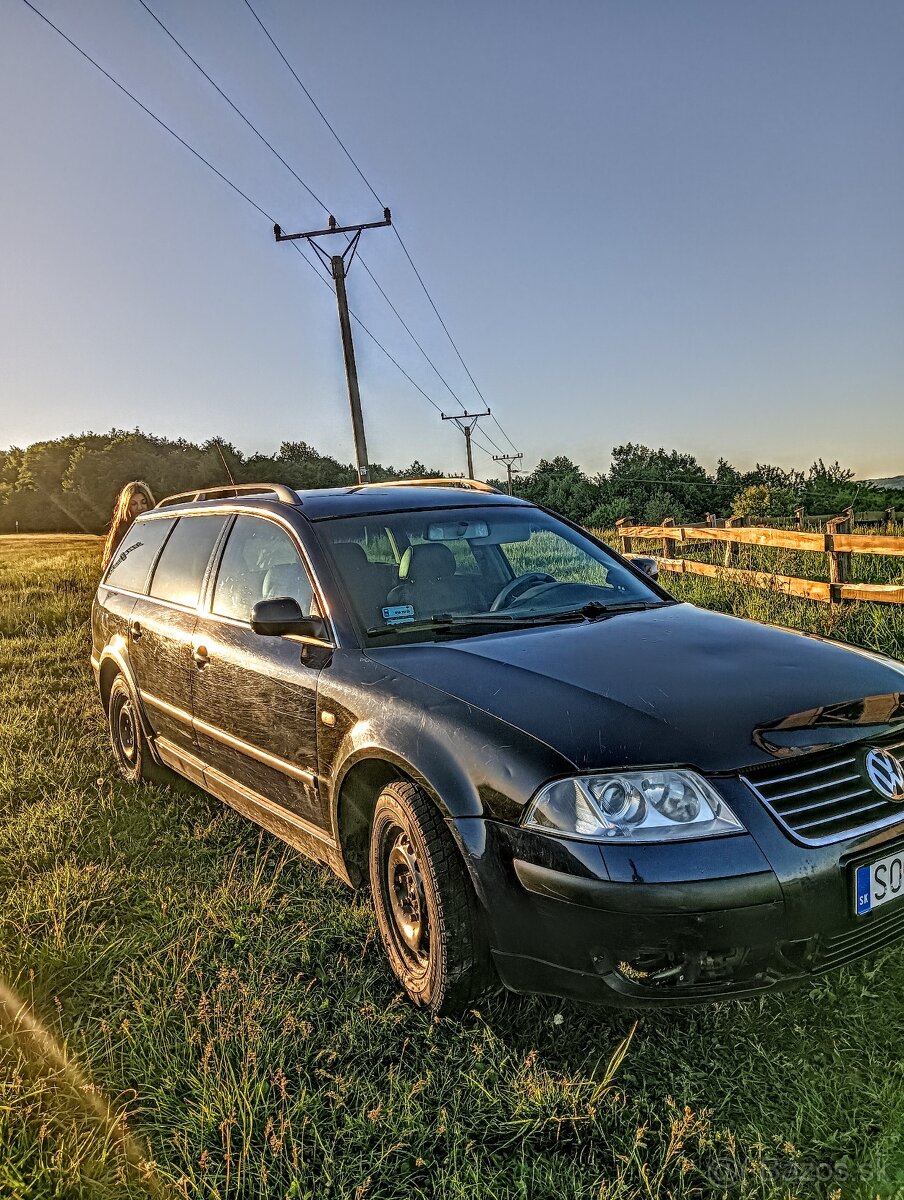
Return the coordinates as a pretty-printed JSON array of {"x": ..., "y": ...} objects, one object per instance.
[
  {"x": 427, "y": 580},
  {"x": 362, "y": 579},
  {"x": 289, "y": 579}
]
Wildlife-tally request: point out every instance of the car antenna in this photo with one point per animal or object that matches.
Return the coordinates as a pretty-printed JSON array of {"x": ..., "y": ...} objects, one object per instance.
[{"x": 224, "y": 462}]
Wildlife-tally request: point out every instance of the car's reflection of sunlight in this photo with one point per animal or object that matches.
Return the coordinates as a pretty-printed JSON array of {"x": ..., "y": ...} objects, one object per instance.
[{"x": 46, "y": 1056}]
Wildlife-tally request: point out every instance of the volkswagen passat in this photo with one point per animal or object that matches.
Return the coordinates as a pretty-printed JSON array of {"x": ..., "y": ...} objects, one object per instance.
[{"x": 549, "y": 772}]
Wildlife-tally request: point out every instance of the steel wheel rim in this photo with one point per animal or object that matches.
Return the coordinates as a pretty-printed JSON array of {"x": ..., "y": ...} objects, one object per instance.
[
  {"x": 126, "y": 734},
  {"x": 405, "y": 899}
]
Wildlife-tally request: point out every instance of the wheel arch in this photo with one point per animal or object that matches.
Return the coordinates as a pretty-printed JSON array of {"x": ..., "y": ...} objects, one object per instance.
[
  {"x": 113, "y": 662},
  {"x": 364, "y": 776}
]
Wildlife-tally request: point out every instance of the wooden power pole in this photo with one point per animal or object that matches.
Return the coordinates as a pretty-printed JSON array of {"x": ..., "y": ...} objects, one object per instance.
[
  {"x": 509, "y": 460},
  {"x": 466, "y": 422},
  {"x": 339, "y": 269}
]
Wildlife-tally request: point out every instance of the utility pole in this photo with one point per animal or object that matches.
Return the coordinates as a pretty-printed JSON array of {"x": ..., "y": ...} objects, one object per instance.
[
  {"x": 466, "y": 422},
  {"x": 339, "y": 269},
  {"x": 509, "y": 460}
]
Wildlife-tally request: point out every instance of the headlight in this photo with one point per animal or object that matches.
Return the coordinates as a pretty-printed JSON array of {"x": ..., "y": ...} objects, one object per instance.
[{"x": 633, "y": 806}]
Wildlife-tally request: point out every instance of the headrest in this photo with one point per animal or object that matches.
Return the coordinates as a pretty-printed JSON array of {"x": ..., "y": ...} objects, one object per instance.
[
  {"x": 428, "y": 561},
  {"x": 350, "y": 557},
  {"x": 282, "y": 579}
]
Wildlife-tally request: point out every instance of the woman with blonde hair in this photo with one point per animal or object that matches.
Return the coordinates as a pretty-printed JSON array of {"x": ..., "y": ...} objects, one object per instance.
[{"x": 136, "y": 497}]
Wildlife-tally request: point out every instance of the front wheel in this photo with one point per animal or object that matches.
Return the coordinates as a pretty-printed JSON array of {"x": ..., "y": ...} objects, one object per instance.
[
  {"x": 427, "y": 911},
  {"x": 130, "y": 746}
]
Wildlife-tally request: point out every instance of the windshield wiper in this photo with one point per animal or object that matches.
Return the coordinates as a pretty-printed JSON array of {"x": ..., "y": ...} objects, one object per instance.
[
  {"x": 459, "y": 623},
  {"x": 594, "y": 610},
  {"x": 451, "y": 622}
]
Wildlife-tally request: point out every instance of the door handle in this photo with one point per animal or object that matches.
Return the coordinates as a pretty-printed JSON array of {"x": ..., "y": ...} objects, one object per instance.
[
  {"x": 200, "y": 655},
  {"x": 135, "y": 631}
]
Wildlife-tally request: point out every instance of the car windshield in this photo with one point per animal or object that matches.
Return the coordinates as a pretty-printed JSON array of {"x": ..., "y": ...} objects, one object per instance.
[{"x": 462, "y": 571}]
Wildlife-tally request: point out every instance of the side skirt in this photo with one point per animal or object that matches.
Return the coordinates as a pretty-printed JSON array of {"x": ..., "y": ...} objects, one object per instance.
[{"x": 292, "y": 829}]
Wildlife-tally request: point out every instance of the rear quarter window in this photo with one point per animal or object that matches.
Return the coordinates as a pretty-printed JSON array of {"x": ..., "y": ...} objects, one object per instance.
[
  {"x": 131, "y": 564},
  {"x": 180, "y": 569}
]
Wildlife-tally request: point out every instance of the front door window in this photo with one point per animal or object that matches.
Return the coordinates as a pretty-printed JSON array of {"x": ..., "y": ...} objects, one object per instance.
[{"x": 260, "y": 562}]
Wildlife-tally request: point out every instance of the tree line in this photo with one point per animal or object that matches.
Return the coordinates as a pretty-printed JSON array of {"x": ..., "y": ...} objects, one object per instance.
[{"x": 69, "y": 484}]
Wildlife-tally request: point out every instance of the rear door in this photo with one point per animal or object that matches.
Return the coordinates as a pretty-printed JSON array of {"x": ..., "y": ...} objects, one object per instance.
[
  {"x": 162, "y": 623},
  {"x": 255, "y": 697}
]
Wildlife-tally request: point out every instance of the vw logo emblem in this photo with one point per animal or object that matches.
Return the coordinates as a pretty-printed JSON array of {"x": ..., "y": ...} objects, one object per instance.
[{"x": 885, "y": 773}]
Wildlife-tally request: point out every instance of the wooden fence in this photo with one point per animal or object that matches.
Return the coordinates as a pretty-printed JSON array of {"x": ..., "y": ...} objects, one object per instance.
[
  {"x": 876, "y": 518},
  {"x": 837, "y": 543}
]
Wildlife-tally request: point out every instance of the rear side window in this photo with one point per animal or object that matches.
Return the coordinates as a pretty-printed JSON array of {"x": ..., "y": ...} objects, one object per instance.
[
  {"x": 136, "y": 552},
  {"x": 180, "y": 569},
  {"x": 260, "y": 562}
]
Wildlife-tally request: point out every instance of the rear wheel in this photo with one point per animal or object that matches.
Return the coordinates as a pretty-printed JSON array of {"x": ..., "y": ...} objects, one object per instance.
[
  {"x": 426, "y": 908},
  {"x": 130, "y": 746}
]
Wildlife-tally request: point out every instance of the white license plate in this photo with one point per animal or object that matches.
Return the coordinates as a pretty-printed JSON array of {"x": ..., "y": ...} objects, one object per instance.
[{"x": 879, "y": 882}]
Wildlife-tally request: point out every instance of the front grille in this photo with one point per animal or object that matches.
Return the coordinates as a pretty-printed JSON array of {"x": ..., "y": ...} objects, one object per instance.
[
  {"x": 869, "y": 935},
  {"x": 827, "y": 798}
]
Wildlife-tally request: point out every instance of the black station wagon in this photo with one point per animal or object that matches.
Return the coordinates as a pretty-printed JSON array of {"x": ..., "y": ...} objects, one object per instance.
[{"x": 550, "y": 773}]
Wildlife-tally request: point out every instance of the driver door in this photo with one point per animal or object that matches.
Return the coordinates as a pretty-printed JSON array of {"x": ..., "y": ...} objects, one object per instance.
[{"x": 255, "y": 697}]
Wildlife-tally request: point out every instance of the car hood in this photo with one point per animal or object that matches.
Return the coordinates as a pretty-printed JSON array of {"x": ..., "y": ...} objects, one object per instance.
[{"x": 676, "y": 684}]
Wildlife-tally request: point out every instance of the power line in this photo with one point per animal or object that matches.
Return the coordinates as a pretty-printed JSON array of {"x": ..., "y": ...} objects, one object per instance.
[
  {"x": 317, "y": 107},
  {"x": 383, "y": 349},
  {"x": 200, "y": 157},
  {"x": 326, "y": 208},
  {"x": 373, "y": 192},
  {"x": 408, "y": 331},
  {"x": 711, "y": 483},
  {"x": 220, "y": 91},
  {"x": 146, "y": 110},
  {"x": 502, "y": 431},
  {"x": 235, "y": 108}
]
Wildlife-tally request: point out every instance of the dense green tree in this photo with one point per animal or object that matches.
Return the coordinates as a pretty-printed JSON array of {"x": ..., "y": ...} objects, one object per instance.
[
  {"x": 561, "y": 485},
  {"x": 70, "y": 483},
  {"x": 762, "y": 500},
  {"x": 830, "y": 489},
  {"x": 639, "y": 474}
]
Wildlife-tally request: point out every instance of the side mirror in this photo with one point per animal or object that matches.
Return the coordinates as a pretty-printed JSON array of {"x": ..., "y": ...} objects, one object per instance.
[
  {"x": 649, "y": 566},
  {"x": 272, "y": 618}
]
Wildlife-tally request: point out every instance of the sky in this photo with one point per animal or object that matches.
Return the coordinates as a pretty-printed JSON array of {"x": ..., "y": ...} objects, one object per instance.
[{"x": 678, "y": 224}]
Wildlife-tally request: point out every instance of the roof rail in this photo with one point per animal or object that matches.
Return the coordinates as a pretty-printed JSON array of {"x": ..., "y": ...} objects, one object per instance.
[
  {"x": 472, "y": 485},
  {"x": 279, "y": 490}
]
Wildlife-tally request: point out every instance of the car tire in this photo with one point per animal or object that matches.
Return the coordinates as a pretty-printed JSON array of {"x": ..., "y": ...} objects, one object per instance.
[
  {"x": 427, "y": 911},
  {"x": 130, "y": 746}
]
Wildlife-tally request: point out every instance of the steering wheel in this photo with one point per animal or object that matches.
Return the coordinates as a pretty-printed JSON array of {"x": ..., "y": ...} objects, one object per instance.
[{"x": 519, "y": 584}]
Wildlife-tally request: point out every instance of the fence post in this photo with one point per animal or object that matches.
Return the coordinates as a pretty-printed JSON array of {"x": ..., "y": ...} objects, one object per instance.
[
  {"x": 889, "y": 519},
  {"x": 839, "y": 561},
  {"x": 626, "y": 544},
  {"x": 669, "y": 545},
  {"x": 731, "y": 548},
  {"x": 799, "y": 514}
]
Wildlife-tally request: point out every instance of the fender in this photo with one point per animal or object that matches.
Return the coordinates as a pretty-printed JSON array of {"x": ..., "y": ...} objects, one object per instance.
[
  {"x": 116, "y": 651},
  {"x": 471, "y": 763}
]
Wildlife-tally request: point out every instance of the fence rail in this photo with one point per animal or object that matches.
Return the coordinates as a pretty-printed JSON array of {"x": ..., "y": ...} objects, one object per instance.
[{"x": 837, "y": 543}]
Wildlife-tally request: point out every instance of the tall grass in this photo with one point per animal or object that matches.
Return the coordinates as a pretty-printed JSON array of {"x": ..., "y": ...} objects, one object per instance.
[{"x": 190, "y": 1009}]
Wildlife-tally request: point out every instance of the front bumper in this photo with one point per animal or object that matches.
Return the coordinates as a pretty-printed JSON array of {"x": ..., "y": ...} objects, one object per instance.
[{"x": 660, "y": 924}]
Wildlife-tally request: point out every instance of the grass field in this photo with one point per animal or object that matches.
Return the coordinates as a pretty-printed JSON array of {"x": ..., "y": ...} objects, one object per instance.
[
  {"x": 189, "y": 1009},
  {"x": 877, "y": 626}
]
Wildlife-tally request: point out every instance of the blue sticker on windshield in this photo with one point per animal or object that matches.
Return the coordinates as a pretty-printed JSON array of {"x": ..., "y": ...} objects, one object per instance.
[{"x": 398, "y": 614}]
